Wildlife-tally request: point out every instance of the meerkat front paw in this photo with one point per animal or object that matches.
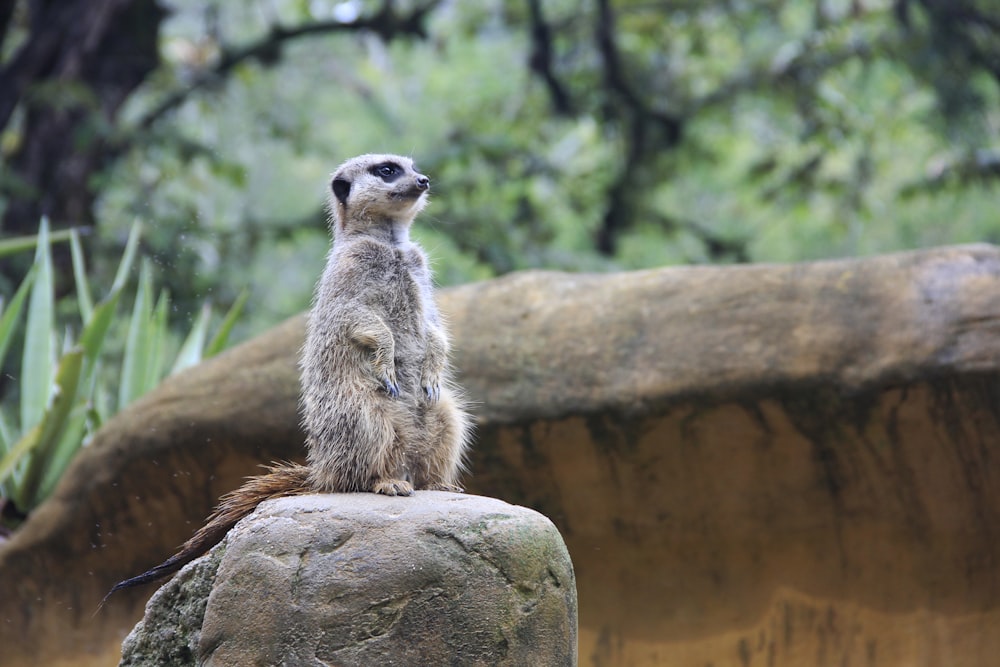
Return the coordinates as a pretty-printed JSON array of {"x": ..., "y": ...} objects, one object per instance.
[
  {"x": 432, "y": 389},
  {"x": 393, "y": 487},
  {"x": 430, "y": 380},
  {"x": 387, "y": 375}
]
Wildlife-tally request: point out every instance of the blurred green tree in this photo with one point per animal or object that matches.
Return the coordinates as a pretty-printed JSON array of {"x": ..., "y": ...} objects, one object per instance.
[{"x": 584, "y": 136}]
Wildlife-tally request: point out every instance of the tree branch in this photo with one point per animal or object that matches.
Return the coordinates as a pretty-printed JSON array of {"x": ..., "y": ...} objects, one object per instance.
[
  {"x": 26, "y": 66},
  {"x": 6, "y": 12},
  {"x": 615, "y": 79},
  {"x": 386, "y": 23},
  {"x": 718, "y": 248},
  {"x": 78, "y": 63},
  {"x": 540, "y": 59},
  {"x": 982, "y": 167},
  {"x": 808, "y": 59},
  {"x": 640, "y": 121}
]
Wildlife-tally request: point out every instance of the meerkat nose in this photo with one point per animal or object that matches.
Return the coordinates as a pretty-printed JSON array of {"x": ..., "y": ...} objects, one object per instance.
[{"x": 423, "y": 182}]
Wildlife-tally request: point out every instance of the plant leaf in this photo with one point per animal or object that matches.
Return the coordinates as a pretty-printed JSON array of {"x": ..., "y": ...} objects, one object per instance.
[
  {"x": 158, "y": 342},
  {"x": 6, "y": 439},
  {"x": 221, "y": 337},
  {"x": 7, "y": 434},
  {"x": 92, "y": 339},
  {"x": 38, "y": 356},
  {"x": 80, "y": 277},
  {"x": 100, "y": 407},
  {"x": 51, "y": 428},
  {"x": 14, "y": 455},
  {"x": 191, "y": 350},
  {"x": 18, "y": 244},
  {"x": 93, "y": 335},
  {"x": 128, "y": 257},
  {"x": 137, "y": 341},
  {"x": 11, "y": 315},
  {"x": 68, "y": 444}
]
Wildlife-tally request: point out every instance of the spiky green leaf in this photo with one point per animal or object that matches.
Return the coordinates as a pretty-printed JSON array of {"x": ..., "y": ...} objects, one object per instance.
[
  {"x": 138, "y": 341},
  {"x": 15, "y": 454},
  {"x": 128, "y": 257},
  {"x": 38, "y": 355},
  {"x": 221, "y": 337},
  {"x": 69, "y": 442},
  {"x": 51, "y": 428},
  {"x": 41, "y": 439},
  {"x": 158, "y": 342},
  {"x": 191, "y": 350},
  {"x": 94, "y": 334},
  {"x": 83, "y": 298},
  {"x": 18, "y": 244},
  {"x": 12, "y": 314}
]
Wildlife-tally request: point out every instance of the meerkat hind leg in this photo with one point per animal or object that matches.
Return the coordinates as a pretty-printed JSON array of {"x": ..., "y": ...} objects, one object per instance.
[{"x": 448, "y": 432}]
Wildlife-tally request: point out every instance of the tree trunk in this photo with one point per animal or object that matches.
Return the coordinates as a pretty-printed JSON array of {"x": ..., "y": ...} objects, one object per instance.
[{"x": 67, "y": 83}]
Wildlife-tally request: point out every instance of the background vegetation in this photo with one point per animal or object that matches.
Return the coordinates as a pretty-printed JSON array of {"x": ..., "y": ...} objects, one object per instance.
[
  {"x": 71, "y": 389},
  {"x": 594, "y": 135}
]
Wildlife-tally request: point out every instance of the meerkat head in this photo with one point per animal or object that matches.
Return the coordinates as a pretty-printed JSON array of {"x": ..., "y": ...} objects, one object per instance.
[{"x": 376, "y": 189}]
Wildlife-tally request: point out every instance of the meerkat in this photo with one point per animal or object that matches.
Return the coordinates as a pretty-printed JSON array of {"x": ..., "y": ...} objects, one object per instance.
[{"x": 379, "y": 408}]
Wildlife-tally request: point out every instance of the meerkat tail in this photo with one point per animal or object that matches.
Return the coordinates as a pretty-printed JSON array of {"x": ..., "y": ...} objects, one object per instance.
[{"x": 281, "y": 480}]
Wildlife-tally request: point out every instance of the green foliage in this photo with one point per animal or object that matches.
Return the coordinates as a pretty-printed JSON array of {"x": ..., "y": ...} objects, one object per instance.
[
  {"x": 806, "y": 130},
  {"x": 606, "y": 135},
  {"x": 63, "y": 384},
  {"x": 13, "y": 246}
]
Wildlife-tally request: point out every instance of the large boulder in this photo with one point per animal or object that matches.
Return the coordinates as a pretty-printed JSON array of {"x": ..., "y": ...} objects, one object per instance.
[
  {"x": 360, "y": 579},
  {"x": 775, "y": 464}
]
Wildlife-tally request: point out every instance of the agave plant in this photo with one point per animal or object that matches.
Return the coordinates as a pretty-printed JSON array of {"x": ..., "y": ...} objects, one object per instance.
[{"x": 64, "y": 396}]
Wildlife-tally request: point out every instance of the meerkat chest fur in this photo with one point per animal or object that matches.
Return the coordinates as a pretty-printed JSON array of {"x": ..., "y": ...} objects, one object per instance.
[
  {"x": 378, "y": 408},
  {"x": 389, "y": 285}
]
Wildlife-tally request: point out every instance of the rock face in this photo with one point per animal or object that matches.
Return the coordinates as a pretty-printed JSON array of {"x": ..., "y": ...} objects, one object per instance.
[
  {"x": 781, "y": 465},
  {"x": 168, "y": 634},
  {"x": 359, "y": 579}
]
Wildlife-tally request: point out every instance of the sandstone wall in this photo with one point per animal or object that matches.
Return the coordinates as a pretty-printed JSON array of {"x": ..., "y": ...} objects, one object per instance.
[{"x": 753, "y": 465}]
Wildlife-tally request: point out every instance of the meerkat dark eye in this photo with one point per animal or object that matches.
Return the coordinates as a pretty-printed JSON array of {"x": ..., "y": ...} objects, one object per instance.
[{"x": 387, "y": 171}]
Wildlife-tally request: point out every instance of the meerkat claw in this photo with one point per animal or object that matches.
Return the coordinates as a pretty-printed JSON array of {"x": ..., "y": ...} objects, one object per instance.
[
  {"x": 393, "y": 487},
  {"x": 391, "y": 389},
  {"x": 433, "y": 392}
]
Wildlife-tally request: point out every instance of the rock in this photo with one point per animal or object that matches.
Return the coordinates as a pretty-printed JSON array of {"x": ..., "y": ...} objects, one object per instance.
[
  {"x": 776, "y": 464},
  {"x": 361, "y": 579},
  {"x": 168, "y": 634}
]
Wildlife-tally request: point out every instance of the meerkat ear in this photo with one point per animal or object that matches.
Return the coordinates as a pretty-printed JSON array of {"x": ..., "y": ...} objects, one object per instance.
[{"x": 341, "y": 188}]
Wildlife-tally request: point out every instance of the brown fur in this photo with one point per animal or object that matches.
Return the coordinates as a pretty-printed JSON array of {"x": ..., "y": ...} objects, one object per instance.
[{"x": 378, "y": 407}]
